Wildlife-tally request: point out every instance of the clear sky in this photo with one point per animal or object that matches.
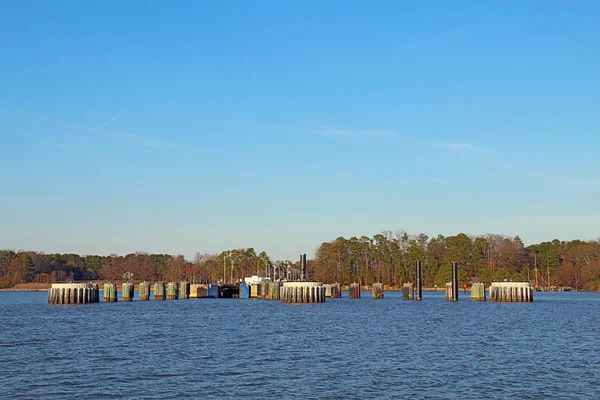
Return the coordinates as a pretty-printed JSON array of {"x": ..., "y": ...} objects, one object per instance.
[{"x": 199, "y": 126}]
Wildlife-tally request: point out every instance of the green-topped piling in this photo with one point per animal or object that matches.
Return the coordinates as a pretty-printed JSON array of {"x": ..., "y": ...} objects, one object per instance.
[
  {"x": 110, "y": 292},
  {"x": 127, "y": 291},
  {"x": 144, "y": 292},
  {"x": 478, "y": 292},
  {"x": 159, "y": 291},
  {"x": 184, "y": 290},
  {"x": 172, "y": 291}
]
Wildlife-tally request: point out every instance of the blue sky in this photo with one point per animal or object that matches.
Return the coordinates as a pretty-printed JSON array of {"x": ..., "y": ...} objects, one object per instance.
[{"x": 183, "y": 127}]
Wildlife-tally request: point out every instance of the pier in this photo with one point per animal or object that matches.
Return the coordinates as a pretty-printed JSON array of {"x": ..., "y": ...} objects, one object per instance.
[
  {"x": 300, "y": 291},
  {"x": 198, "y": 291}
]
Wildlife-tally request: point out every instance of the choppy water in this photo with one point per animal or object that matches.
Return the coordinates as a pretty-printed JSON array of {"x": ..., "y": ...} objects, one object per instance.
[{"x": 340, "y": 350}]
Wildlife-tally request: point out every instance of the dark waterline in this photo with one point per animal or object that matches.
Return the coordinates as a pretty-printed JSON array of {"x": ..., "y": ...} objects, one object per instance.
[{"x": 340, "y": 349}]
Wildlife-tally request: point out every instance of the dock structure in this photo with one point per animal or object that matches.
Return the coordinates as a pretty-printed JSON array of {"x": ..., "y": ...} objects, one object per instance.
[
  {"x": 244, "y": 291},
  {"x": 110, "y": 292},
  {"x": 184, "y": 290},
  {"x": 408, "y": 291},
  {"x": 127, "y": 291},
  {"x": 255, "y": 290},
  {"x": 229, "y": 291},
  {"x": 73, "y": 293},
  {"x": 263, "y": 290},
  {"x": 213, "y": 290},
  {"x": 478, "y": 291},
  {"x": 271, "y": 291},
  {"x": 333, "y": 290},
  {"x": 302, "y": 292},
  {"x": 354, "y": 292},
  {"x": 198, "y": 291},
  {"x": 377, "y": 291},
  {"x": 159, "y": 291},
  {"x": 511, "y": 292},
  {"x": 144, "y": 292}
]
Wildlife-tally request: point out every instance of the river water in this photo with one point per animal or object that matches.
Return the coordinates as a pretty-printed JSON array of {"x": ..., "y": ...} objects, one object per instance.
[{"x": 342, "y": 349}]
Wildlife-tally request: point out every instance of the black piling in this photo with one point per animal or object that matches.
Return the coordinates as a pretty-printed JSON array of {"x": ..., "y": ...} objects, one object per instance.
[
  {"x": 303, "y": 267},
  {"x": 419, "y": 281},
  {"x": 454, "y": 281}
]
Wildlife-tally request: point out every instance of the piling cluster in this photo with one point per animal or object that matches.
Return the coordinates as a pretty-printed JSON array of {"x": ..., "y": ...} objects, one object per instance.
[
  {"x": 408, "y": 292},
  {"x": 511, "y": 292},
  {"x": 73, "y": 293},
  {"x": 302, "y": 292},
  {"x": 127, "y": 291},
  {"x": 354, "y": 291},
  {"x": 478, "y": 292},
  {"x": 144, "y": 292},
  {"x": 172, "y": 291},
  {"x": 159, "y": 291},
  {"x": 110, "y": 292},
  {"x": 333, "y": 290},
  {"x": 270, "y": 290},
  {"x": 184, "y": 290},
  {"x": 377, "y": 291}
]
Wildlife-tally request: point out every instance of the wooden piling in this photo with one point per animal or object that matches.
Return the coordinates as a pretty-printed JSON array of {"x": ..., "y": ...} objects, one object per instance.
[
  {"x": 333, "y": 290},
  {"x": 354, "y": 292},
  {"x": 449, "y": 295},
  {"x": 377, "y": 291},
  {"x": 408, "y": 291}
]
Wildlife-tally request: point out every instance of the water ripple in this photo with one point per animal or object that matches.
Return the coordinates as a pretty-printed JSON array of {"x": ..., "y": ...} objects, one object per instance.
[{"x": 343, "y": 349}]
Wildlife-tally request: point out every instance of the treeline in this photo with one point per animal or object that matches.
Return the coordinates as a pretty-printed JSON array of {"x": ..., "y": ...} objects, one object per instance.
[
  {"x": 388, "y": 257},
  {"x": 30, "y": 266}
]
